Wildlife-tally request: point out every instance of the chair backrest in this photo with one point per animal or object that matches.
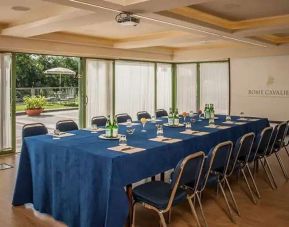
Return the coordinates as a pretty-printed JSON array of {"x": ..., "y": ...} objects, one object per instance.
[
  {"x": 143, "y": 114},
  {"x": 241, "y": 151},
  {"x": 121, "y": 118},
  {"x": 281, "y": 134},
  {"x": 66, "y": 125},
  {"x": 286, "y": 139},
  {"x": 217, "y": 161},
  {"x": 34, "y": 129},
  {"x": 100, "y": 121},
  {"x": 161, "y": 113},
  {"x": 262, "y": 142},
  {"x": 188, "y": 170}
]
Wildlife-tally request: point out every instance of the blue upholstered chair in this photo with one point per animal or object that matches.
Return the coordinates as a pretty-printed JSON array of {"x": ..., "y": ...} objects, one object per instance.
[
  {"x": 215, "y": 174},
  {"x": 34, "y": 129},
  {"x": 161, "y": 196},
  {"x": 122, "y": 118},
  {"x": 277, "y": 143},
  {"x": 143, "y": 114},
  {"x": 100, "y": 121},
  {"x": 240, "y": 161},
  {"x": 161, "y": 113},
  {"x": 260, "y": 153},
  {"x": 66, "y": 125}
]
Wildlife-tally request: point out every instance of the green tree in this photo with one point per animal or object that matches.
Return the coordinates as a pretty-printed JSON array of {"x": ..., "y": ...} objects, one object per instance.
[{"x": 30, "y": 70}]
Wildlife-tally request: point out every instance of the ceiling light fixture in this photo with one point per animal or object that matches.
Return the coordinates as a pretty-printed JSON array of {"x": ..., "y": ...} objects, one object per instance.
[
  {"x": 168, "y": 23},
  {"x": 20, "y": 8}
]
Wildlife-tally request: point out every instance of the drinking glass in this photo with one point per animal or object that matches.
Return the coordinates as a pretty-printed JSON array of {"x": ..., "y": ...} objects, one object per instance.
[
  {"x": 160, "y": 131},
  {"x": 201, "y": 116},
  {"x": 130, "y": 130},
  {"x": 56, "y": 132},
  {"x": 188, "y": 125},
  {"x": 129, "y": 123},
  {"x": 191, "y": 114},
  {"x": 242, "y": 115},
  {"x": 228, "y": 118},
  {"x": 153, "y": 120},
  {"x": 122, "y": 140},
  {"x": 211, "y": 122},
  {"x": 93, "y": 128}
]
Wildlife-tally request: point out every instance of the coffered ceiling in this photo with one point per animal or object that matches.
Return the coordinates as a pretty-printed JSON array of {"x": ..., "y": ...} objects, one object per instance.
[{"x": 171, "y": 24}]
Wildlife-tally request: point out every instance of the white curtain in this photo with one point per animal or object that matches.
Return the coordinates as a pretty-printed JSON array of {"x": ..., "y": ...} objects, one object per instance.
[
  {"x": 5, "y": 101},
  {"x": 134, "y": 87},
  {"x": 98, "y": 88},
  {"x": 187, "y": 87},
  {"x": 164, "y": 86},
  {"x": 214, "y": 86}
]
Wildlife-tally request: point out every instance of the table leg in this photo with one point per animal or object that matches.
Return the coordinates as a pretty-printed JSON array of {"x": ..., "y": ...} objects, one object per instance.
[
  {"x": 163, "y": 176},
  {"x": 130, "y": 204}
]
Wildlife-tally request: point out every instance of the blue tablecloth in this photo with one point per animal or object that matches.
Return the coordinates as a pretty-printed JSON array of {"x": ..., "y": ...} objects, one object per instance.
[{"x": 79, "y": 181}]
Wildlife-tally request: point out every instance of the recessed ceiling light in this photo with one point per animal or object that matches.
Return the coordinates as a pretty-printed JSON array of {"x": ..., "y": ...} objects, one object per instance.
[{"x": 20, "y": 8}]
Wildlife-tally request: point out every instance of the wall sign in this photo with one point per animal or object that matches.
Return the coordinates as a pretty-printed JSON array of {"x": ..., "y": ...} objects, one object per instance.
[{"x": 268, "y": 92}]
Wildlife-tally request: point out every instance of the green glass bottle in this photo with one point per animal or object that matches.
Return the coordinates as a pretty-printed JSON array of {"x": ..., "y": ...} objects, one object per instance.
[
  {"x": 108, "y": 131},
  {"x": 207, "y": 112},
  {"x": 114, "y": 128}
]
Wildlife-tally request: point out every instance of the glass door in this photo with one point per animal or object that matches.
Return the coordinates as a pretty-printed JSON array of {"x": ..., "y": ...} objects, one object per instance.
[
  {"x": 6, "y": 143},
  {"x": 99, "y": 88}
]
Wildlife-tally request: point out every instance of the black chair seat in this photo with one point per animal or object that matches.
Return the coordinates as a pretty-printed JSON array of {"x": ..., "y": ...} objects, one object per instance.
[{"x": 157, "y": 194}]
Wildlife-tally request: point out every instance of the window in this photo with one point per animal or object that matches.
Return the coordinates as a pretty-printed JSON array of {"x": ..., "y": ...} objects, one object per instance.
[
  {"x": 5, "y": 102},
  {"x": 187, "y": 87},
  {"x": 134, "y": 87},
  {"x": 214, "y": 86},
  {"x": 164, "y": 86},
  {"x": 98, "y": 88}
]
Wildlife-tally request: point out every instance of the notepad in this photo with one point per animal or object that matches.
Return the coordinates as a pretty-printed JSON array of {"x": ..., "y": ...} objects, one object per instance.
[
  {"x": 165, "y": 140},
  {"x": 190, "y": 132},
  {"x": 66, "y": 134},
  {"x": 132, "y": 124},
  {"x": 126, "y": 149}
]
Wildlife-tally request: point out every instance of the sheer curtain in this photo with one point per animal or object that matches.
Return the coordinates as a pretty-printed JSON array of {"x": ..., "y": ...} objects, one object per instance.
[
  {"x": 134, "y": 87},
  {"x": 164, "y": 86},
  {"x": 214, "y": 86},
  {"x": 98, "y": 88},
  {"x": 187, "y": 87},
  {"x": 5, "y": 101}
]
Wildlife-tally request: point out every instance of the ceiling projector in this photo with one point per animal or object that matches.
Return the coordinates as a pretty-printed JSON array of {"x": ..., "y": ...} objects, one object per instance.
[{"x": 127, "y": 19}]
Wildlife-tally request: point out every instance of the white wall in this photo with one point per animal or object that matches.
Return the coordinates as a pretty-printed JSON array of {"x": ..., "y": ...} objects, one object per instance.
[{"x": 267, "y": 78}]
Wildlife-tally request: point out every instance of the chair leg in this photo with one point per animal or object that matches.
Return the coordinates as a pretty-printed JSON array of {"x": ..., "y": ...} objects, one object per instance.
[
  {"x": 282, "y": 165},
  {"x": 169, "y": 215},
  {"x": 254, "y": 182},
  {"x": 201, "y": 208},
  {"x": 270, "y": 179},
  {"x": 162, "y": 219},
  {"x": 248, "y": 185},
  {"x": 227, "y": 202},
  {"x": 232, "y": 196},
  {"x": 133, "y": 215},
  {"x": 286, "y": 150},
  {"x": 194, "y": 212}
]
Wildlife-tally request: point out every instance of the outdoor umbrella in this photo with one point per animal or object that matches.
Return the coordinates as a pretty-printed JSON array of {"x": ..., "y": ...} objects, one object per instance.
[{"x": 59, "y": 71}]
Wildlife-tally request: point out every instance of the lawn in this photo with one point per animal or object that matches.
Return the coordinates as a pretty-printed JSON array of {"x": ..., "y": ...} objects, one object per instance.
[{"x": 50, "y": 106}]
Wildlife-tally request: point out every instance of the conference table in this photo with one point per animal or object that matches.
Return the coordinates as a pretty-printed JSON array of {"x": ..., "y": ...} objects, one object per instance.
[{"x": 80, "y": 181}]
